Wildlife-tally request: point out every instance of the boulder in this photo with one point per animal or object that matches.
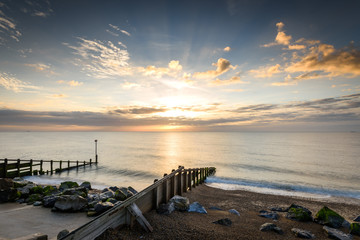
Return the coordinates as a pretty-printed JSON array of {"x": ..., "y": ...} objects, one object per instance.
[
  {"x": 37, "y": 203},
  {"x": 233, "y": 211},
  {"x": 357, "y": 219},
  {"x": 49, "y": 190},
  {"x": 112, "y": 200},
  {"x": 34, "y": 198},
  {"x": 180, "y": 203},
  {"x": 6, "y": 183},
  {"x": 70, "y": 203},
  {"x": 80, "y": 191},
  {"x": 336, "y": 234},
  {"x": 49, "y": 201},
  {"x": 224, "y": 222},
  {"x": 20, "y": 182},
  {"x": 132, "y": 190},
  {"x": 68, "y": 184},
  {"x": 166, "y": 209},
  {"x": 62, "y": 234},
  {"x": 355, "y": 229},
  {"x": 114, "y": 189},
  {"x": 105, "y": 195},
  {"x": 24, "y": 192},
  {"x": 9, "y": 195},
  {"x": 299, "y": 213},
  {"x": 86, "y": 185},
  {"x": 101, "y": 207},
  {"x": 271, "y": 215},
  {"x": 279, "y": 209},
  {"x": 93, "y": 197},
  {"x": 266, "y": 227},
  {"x": 36, "y": 189},
  {"x": 197, "y": 207},
  {"x": 346, "y": 224},
  {"x": 120, "y": 195},
  {"x": 302, "y": 233},
  {"x": 328, "y": 217},
  {"x": 126, "y": 192}
]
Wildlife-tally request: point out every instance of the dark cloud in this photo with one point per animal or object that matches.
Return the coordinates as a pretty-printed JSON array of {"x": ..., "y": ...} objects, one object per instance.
[
  {"x": 139, "y": 110},
  {"x": 258, "y": 107}
]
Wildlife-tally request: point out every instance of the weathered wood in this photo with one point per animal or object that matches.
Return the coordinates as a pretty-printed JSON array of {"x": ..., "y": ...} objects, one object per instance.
[
  {"x": 136, "y": 212},
  {"x": 185, "y": 181},
  {"x": 51, "y": 167}
]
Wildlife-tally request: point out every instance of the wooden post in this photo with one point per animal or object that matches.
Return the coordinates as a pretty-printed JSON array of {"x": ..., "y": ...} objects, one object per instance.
[
  {"x": 51, "y": 167},
  {"x": 41, "y": 167},
  {"x": 189, "y": 179},
  {"x": 5, "y": 167},
  {"x": 31, "y": 168},
  {"x": 173, "y": 186},
  {"x": 84, "y": 164},
  {"x": 18, "y": 167},
  {"x": 60, "y": 165},
  {"x": 165, "y": 190},
  {"x": 90, "y": 162},
  {"x": 201, "y": 175},
  {"x": 156, "y": 197},
  {"x": 185, "y": 181},
  {"x": 77, "y": 165},
  {"x": 197, "y": 177},
  {"x": 68, "y": 164}
]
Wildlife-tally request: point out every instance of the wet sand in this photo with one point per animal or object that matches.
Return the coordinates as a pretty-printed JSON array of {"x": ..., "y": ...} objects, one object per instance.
[
  {"x": 18, "y": 220},
  {"x": 184, "y": 225}
]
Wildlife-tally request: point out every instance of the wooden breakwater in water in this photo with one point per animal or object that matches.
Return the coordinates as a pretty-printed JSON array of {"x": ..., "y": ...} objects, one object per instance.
[
  {"x": 10, "y": 168},
  {"x": 125, "y": 213}
]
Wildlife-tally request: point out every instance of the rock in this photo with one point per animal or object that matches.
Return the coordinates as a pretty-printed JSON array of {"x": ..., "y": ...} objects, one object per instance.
[
  {"x": 166, "y": 209},
  {"x": 126, "y": 192},
  {"x": 80, "y": 191},
  {"x": 271, "y": 215},
  {"x": 357, "y": 219},
  {"x": 49, "y": 190},
  {"x": 70, "y": 203},
  {"x": 104, "y": 190},
  {"x": 86, "y": 185},
  {"x": 114, "y": 189},
  {"x": 279, "y": 209},
  {"x": 180, "y": 203},
  {"x": 91, "y": 213},
  {"x": 346, "y": 224},
  {"x": 20, "y": 182},
  {"x": 6, "y": 183},
  {"x": 36, "y": 189},
  {"x": 119, "y": 195},
  {"x": 102, "y": 207},
  {"x": 196, "y": 207},
  {"x": 299, "y": 213},
  {"x": 215, "y": 208},
  {"x": 233, "y": 211},
  {"x": 302, "y": 233},
  {"x": 24, "y": 192},
  {"x": 105, "y": 195},
  {"x": 355, "y": 229},
  {"x": 112, "y": 200},
  {"x": 336, "y": 234},
  {"x": 62, "y": 234},
  {"x": 37, "y": 203},
  {"x": 9, "y": 195},
  {"x": 68, "y": 184},
  {"x": 93, "y": 197},
  {"x": 132, "y": 190},
  {"x": 224, "y": 221},
  {"x": 49, "y": 201},
  {"x": 266, "y": 227},
  {"x": 34, "y": 198},
  {"x": 328, "y": 217}
]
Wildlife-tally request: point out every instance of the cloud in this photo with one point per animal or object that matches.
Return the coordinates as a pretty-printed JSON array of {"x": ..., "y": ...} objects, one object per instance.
[
  {"x": 120, "y": 30},
  {"x": 232, "y": 80},
  {"x": 281, "y": 37},
  {"x": 59, "y": 95},
  {"x": 222, "y": 66},
  {"x": 128, "y": 85},
  {"x": 15, "y": 85},
  {"x": 265, "y": 72},
  {"x": 173, "y": 69},
  {"x": 40, "y": 8},
  {"x": 101, "y": 59},
  {"x": 8, "y": 29},
  {"x": 71, "y": 83},
  {"x": 40, "y": 67},
  {"x": 112, "y": 33},
  {"x": 227, "y": 49},
  {"x": 138, "y": 110}
]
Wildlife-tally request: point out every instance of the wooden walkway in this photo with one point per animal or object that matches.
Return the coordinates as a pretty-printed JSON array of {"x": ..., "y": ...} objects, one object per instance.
[
  {"x": 125, "y": 213},
  {"x": 10, "y": 168}
]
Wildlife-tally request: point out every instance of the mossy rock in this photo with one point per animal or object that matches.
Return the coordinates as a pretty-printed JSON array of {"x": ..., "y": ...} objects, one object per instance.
[
  {"x": 68, "y": 184},
  {"x": 86, "y": 185},
  {"x": 355, "y": 229},
  {"x": 37, "y": 189},
  {"x": 299, "y": 213},
  {"x": 48, "y": 190},
  {"x": 120, "y": 195},
  {"x": 329, "y": 217},
  {"x": 33, "y": 198}
]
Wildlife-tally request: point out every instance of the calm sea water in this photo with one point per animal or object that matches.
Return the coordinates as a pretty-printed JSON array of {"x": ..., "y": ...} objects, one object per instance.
[{"x": 282, "y": 163}]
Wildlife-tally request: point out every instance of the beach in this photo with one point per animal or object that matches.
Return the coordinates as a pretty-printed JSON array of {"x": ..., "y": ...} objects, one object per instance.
[{"x": 185, "y": 225}]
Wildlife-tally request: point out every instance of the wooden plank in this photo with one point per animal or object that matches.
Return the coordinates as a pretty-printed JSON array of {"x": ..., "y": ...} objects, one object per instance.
[{"x": 136, "y": 212}]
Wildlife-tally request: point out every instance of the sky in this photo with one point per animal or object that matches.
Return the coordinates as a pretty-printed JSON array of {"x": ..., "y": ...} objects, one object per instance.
[{"x": 179, "y": 65}]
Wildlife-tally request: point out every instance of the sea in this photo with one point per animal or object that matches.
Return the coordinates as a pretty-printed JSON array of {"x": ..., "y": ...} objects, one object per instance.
[{"x": 315, "y": 165}]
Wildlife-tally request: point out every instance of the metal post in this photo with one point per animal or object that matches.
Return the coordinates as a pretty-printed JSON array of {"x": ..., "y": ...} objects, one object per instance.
[{"x": 96, "y": 155}]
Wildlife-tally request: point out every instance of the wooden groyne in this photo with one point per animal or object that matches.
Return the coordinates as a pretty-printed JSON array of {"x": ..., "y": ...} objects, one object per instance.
[
  {"x": 10, "y": 168},
  {"x": 125, "y": 213}
]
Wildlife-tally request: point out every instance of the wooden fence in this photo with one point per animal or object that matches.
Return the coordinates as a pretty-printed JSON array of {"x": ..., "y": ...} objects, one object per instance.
[
  {"x": 10, "y": 168},
  {"x": 125, "y": 213}
]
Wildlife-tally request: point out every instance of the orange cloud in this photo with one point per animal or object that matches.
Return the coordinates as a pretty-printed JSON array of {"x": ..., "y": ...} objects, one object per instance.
[
  {"x": 265, "y": 72},
  {"x": 227, "y": 49},
  {"x": 222, "y": 66},
  {"x": 71, "y": 83},
  {"x": 232, "y": 80}
]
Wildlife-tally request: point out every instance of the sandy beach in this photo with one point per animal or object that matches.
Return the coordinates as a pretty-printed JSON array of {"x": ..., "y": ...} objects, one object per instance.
[{"x": 184, "y": 225}]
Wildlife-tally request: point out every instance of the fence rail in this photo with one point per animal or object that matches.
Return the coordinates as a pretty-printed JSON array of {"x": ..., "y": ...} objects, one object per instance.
[
  {"x": 125, "y": 213},
  {"x": 10, "y": 168}
]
